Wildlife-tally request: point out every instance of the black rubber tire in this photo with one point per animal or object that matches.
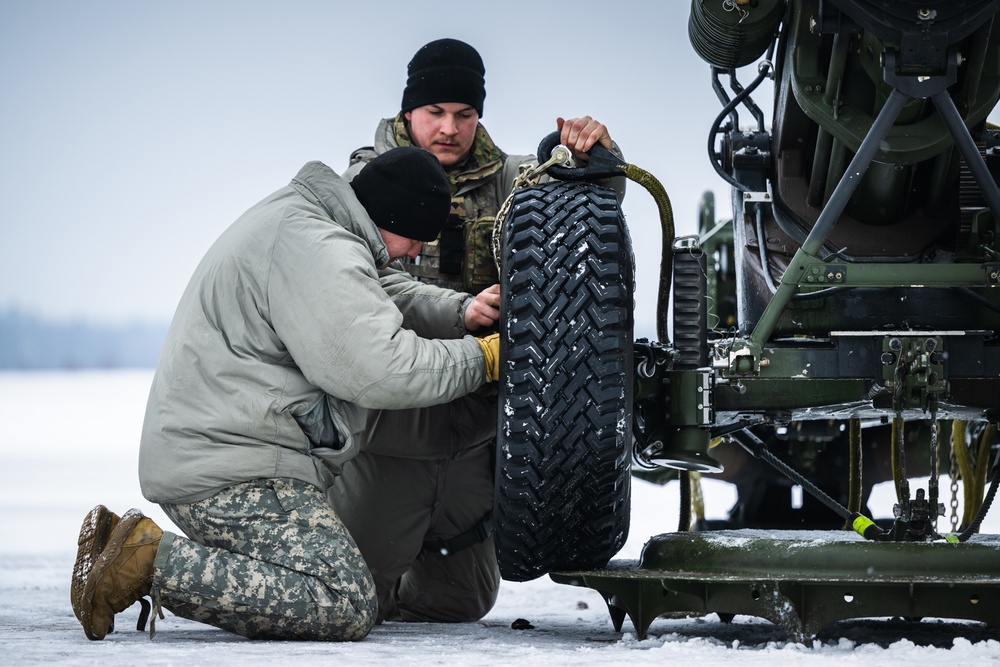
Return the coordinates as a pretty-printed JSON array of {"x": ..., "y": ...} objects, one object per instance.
[{"x": 563, "y": 477}]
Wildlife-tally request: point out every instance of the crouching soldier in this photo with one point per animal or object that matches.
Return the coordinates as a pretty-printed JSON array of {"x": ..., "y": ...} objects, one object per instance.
[{"x": 292, "y": 326}]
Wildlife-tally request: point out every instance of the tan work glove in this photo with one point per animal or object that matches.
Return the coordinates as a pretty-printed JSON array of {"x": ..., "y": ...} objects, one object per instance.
[{"x": 491, "y": 352}]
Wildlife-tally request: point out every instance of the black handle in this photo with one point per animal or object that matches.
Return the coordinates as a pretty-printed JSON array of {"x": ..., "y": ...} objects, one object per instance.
[{"x": 603, "y": 163}]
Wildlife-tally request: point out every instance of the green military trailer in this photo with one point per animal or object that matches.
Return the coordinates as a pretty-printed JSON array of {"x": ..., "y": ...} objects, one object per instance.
[{"x": 840, "y": 330}]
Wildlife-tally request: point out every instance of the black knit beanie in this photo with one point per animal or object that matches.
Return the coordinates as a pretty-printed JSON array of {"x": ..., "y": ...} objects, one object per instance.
[
  {"x": 406, "y": 192},
  {"x": 445, "y": 70}
]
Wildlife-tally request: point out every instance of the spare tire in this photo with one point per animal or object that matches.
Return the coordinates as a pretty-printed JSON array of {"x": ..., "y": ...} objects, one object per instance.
[{"x": 565, "y": 390}]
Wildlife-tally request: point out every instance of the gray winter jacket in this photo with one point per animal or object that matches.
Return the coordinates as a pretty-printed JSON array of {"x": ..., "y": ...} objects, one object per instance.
[{"x": 287, "y": 333}]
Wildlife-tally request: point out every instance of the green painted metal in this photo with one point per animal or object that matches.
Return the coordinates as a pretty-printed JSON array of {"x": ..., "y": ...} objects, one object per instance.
[
  {"x": 810, "y": 271},
  {"x": 801, "y": 581},
  {"x": 790, "y": 393},
  {"x": 886, "y": 125},
  {"x": 917, "y": 137}
]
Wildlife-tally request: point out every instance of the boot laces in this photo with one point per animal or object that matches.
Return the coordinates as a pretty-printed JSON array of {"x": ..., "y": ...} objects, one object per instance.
[{"x": 144, "y": 612}]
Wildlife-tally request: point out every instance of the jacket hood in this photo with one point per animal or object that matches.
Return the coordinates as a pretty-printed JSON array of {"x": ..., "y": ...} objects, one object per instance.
[{"x": 321, "y": 185}]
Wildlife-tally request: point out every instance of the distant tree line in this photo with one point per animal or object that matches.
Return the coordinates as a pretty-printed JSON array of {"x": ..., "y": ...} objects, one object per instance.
[{"x": 28, "y": 342}]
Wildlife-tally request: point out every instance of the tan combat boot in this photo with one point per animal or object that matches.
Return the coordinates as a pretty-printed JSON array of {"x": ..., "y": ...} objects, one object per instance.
[
  {"x": 94, "y": 534},
  {"x": 122, "y": 574}
]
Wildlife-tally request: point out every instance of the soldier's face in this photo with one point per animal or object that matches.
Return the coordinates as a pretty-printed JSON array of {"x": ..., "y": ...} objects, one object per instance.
[
  {"x": 447, "y": 130},
  {"x": 399, "y": 246}
]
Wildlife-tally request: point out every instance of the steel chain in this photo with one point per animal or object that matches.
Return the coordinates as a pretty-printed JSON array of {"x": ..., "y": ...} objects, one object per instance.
[
  {"x": 953, "y": 473},
  {"x": 527, "y": 176}
]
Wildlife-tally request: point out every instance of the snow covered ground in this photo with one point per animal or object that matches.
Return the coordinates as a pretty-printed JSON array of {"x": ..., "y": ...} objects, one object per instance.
[{"x": 68, "y": 441}]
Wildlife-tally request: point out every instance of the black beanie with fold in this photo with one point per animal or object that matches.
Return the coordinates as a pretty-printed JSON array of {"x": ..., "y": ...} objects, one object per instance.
[
  {"x": 406, "y": 192},
  {"x": 445, "y": 70}
]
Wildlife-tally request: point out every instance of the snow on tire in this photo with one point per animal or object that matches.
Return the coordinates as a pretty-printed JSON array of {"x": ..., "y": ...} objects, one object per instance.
[{"x": 565, "y": 410}]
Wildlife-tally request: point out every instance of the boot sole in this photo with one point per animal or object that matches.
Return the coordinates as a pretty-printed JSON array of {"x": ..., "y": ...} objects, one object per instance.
[
  {"x": 94, "y": 534},
  {"x": 128, "y": 521}
]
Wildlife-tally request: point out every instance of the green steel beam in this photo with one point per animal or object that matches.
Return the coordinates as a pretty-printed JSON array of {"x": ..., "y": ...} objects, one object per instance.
[{"x": 801, "y": 581}]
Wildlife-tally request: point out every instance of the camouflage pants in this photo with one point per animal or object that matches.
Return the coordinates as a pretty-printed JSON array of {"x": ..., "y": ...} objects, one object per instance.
[{"x": 266, "y": 559}]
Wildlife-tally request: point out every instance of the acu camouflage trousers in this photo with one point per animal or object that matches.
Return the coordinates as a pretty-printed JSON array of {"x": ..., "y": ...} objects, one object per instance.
[{"x": 266, "y": 559}]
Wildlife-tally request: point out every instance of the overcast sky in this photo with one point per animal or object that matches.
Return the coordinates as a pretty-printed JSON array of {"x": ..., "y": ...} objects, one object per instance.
[{"x": 132, "y": 133}]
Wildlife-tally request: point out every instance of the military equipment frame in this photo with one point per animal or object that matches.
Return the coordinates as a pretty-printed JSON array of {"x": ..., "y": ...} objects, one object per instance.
[{"x": 874, "y": 201}]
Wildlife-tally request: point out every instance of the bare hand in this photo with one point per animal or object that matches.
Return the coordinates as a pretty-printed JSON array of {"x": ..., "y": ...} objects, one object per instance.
[
  {"x": 581, "y": 134},
  {"x": 484, "y": 309}
]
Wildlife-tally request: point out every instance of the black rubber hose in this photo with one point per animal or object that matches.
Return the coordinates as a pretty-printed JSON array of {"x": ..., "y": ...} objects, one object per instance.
[{"x": 733, "y": 103}]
